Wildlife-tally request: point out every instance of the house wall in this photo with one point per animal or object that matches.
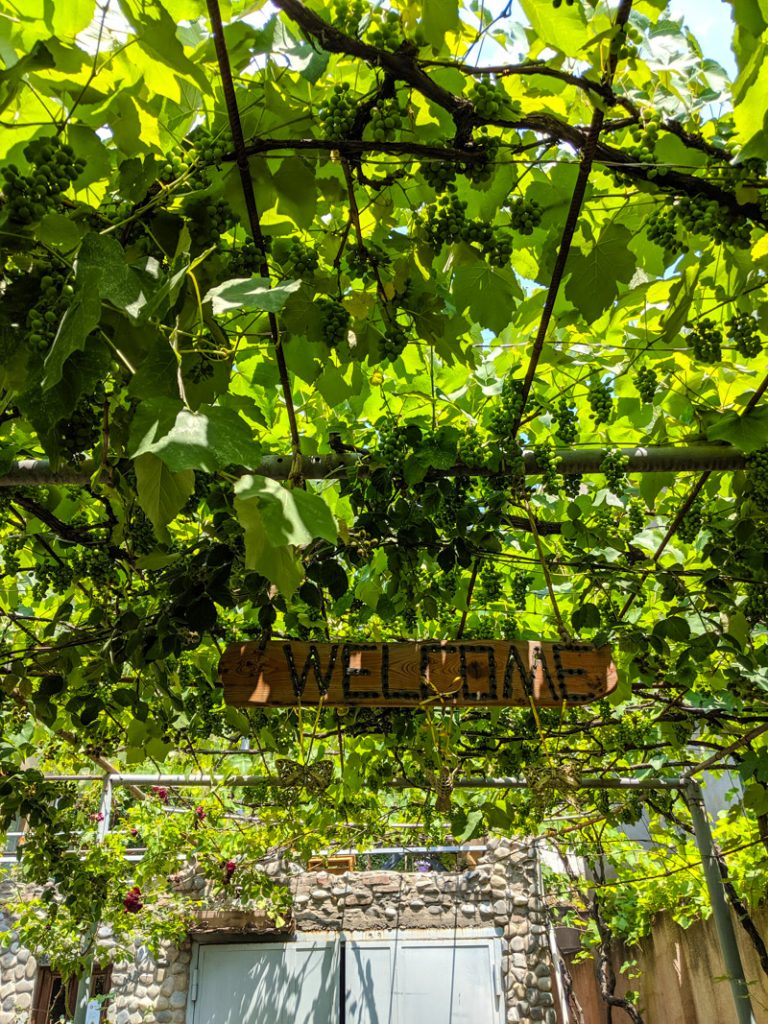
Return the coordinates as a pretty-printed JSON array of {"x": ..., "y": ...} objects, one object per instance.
[{"x": 499, "y": 892}]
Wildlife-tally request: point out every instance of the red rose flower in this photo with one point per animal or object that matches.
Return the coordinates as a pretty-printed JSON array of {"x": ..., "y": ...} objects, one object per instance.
[{"x": 132, "y": 900}]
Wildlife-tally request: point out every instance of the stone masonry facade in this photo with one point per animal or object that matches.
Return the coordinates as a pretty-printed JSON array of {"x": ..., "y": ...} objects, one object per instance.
[{"x": 499, "y": 892}]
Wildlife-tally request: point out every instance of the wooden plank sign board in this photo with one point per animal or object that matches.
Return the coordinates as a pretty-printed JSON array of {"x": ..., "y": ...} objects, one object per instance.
[{"x": 495, "y": 673}]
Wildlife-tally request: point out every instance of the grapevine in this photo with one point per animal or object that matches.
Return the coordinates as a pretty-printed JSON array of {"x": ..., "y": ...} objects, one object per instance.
[
  {"x": 519, "y": 588},
  {"x": 337, "y": 116},
  {"x": 303, "y": 259},
  {"x": 706, "y": 339},
  {"x": 572, "y": 485},
  {"x": 54, "y": 167},
  {"x": 386, "y": 31},
  {"x": 446, "y": 220},
  {"x": 524, "y": 215},
  {"x": 600, "y": 400},
  {"x": 551, "y": 480},
  {"x": 757, "y": 468},
  {"x": 708, "y": 217},
  {"x": 490, "y": 582},
  {"x": 334, "y": 320},
  {"x": 567, "y": 421},
  {"x": 488, "y": 98},
  {"x": 510, "y": 405},
  {"x": 690, "y": 525},
  {"x": 438, "y": 174},
  {"x": 646, "y": 382},
  {"x": 636, "y": 515},
  {"x": 347, "y": 15},
  {"x": 498, "y": 251},
  {"x": 614, "y": 468},
  {"x": 662, "y": 229},
  {"x": 744, "y": 334},
  {"x": 386, "y": 120},
  {"x": 481, "y": 168},
  {"x": 44, "y": 317}
]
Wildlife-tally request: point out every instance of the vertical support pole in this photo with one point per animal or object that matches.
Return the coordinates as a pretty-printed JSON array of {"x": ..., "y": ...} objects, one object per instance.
[
  {"x": 720, "y": 912},
  {"x": 83, "y": 997}
]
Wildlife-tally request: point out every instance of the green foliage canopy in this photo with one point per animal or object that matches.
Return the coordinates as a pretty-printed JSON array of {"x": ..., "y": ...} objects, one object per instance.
[{"x": 406, "y": 239}]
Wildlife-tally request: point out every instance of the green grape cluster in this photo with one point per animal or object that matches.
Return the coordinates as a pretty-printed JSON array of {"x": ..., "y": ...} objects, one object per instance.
[
  {"x": 646, "y": 381},
  {"x": 524, "y": 215},
  {"x": 661, "y": 228},
  {"x": 10, "y": 547},
  {"x": 210, "y": 148},
  {"x": 334, "y": 320},
  {"x": 96, "y": 565},
  {"x": 572, "y": 484},
  {"x": 337, "y": 115},
  {"x": 519, "y": 588},
  {"x": 706, "y": 340},
  {"x": 54, "y": 166},
  {"x": 636, "y": 515},
  {"x": 704, "y": 216},
  {"x": 209, "y": 220},
  {"x": 623, "y": 42},
  {"x": 140, "y": 532},
  {"x": 567, "y": 421},
  {"x": 691, "y": 523},
  {"x": 303, "y": 258},
  {"x": 479, "y": 232},
  {"x": 756, "y": 603},
  {"x": 744, "y": 334},
  {"x": 386, "y": 31},
  {"x": 757, "y": 469},
  {"x": 393, "y": 445},
  {"x": 645, "y": 135},
  {"x": 366, "y": 261},
  {"x": 614, "y": 469},
  {"x": 245, "y": 260},
  {"x": 491, "y": 585},
  {"x": 469, "y": 449},
  {"x": 56, "y": 576},
  {"x": 488, "y": 98},
  {"x": 176, "y": 165},
  {"x": 386, "y": 120},
  {"x": 481, "y": 168},
  {"x": 394, "y": 341},
  {"x": 600, "y": 400},
  {"x": 551, "y": 480},
  {"x": 438, "y": 174},
  {"x": 347, "y": 15},
  {"x": 202, "y": 369},
  {"x": 510, "y": 405},
  {"x": 446, "y": 220},
  {"x": 498, "y": 251},
  {"x": 80, "y": 432},
  {"x": 44, "y": 317}
]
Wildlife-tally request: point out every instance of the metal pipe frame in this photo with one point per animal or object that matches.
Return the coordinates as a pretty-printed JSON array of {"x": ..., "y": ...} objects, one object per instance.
[{"x": 711, "y": 458}]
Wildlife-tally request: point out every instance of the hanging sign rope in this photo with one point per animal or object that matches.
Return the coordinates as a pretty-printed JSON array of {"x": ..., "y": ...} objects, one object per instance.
[{"x": 348, "y": 674}]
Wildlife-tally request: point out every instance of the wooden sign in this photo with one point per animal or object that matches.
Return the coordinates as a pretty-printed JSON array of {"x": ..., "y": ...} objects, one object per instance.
[{"x": 483, "y": 672}]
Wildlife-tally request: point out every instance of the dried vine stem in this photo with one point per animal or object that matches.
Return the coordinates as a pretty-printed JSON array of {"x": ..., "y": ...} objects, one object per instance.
[{"x": 249, "y": 195}]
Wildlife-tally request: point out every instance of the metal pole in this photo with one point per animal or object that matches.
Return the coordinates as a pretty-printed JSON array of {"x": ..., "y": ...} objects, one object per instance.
[
  {"x": 83, "y": 997},
  {"x": 711, "y": 458},
  {"x": 720, "y": 911}
]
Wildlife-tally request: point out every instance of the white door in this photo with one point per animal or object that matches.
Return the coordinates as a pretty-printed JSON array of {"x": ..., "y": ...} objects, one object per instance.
[
  {"x": 267, "y": 983},
  {"x": 424, "y": 981}
]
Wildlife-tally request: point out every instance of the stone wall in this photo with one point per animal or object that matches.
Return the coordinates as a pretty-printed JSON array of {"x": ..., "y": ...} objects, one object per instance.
[{"x": 499, "y": 892}]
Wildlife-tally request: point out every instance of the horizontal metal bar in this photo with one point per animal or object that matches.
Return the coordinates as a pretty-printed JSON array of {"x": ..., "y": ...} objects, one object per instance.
[
  {"x": 375, "y": 851},
  {"x": 571, "y": 461}
]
